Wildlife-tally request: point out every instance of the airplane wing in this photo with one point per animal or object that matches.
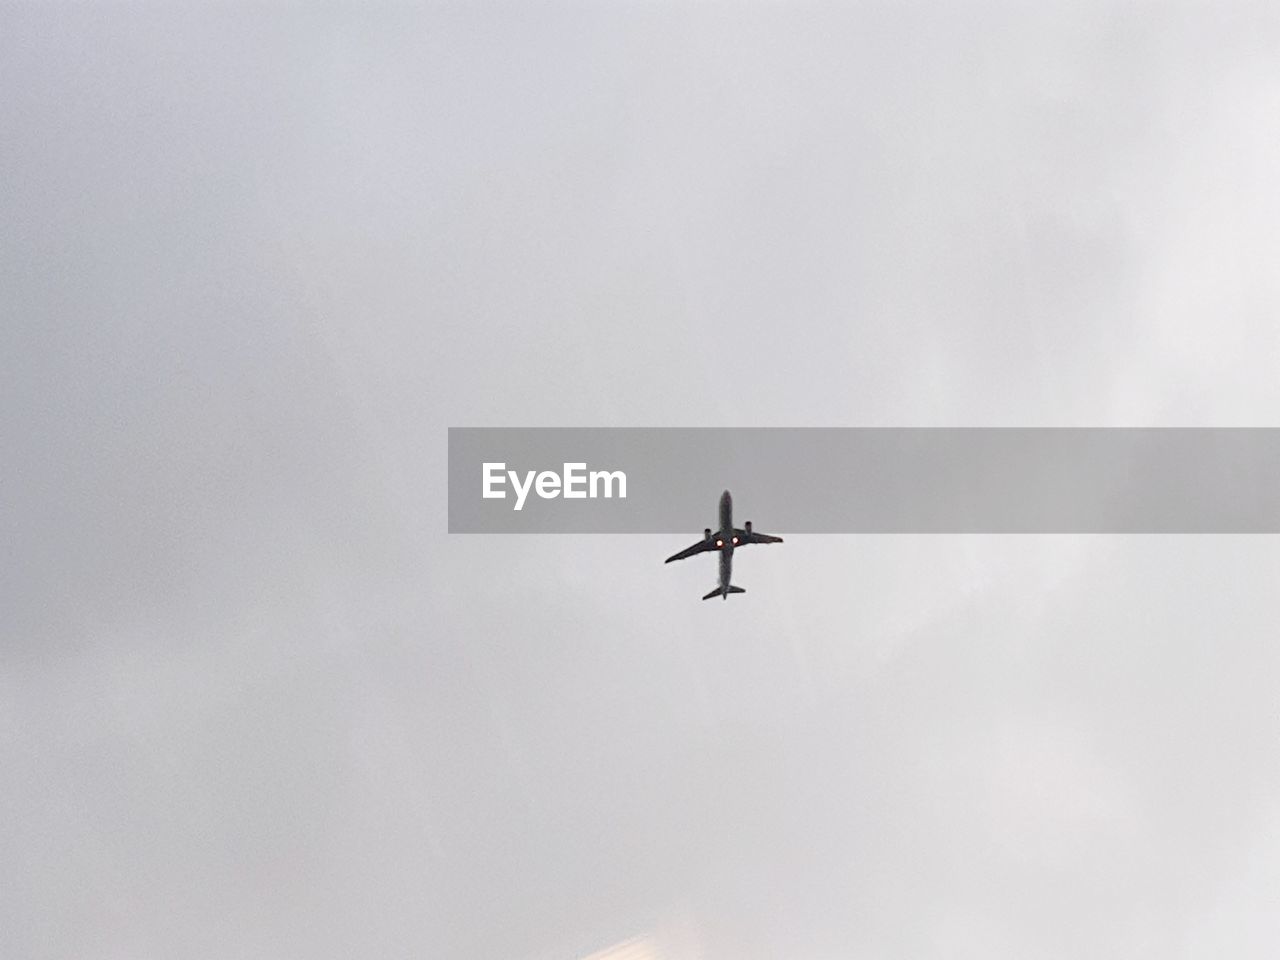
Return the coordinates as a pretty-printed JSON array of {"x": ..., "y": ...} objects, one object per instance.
[
  {"x": 702, "y": 546},
  {"x": 745, "y": 538}
]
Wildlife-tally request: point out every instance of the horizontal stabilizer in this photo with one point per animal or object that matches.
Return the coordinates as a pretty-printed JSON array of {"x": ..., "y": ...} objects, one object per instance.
[{"x": 718, "y": 592}]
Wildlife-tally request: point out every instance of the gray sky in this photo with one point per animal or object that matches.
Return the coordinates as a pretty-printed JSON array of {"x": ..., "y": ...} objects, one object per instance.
[{"x": 256, "y": 703}]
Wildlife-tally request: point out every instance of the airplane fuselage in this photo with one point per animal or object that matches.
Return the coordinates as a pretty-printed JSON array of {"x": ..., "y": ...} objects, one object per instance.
[{"x": 726, "y": 538}]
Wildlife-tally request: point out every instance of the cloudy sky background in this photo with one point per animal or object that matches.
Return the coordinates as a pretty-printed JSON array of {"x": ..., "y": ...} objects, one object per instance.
[{"x": 256, "y": 703}]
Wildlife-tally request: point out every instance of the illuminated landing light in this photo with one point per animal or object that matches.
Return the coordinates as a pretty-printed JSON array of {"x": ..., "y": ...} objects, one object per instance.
[
  {"x": 735, "y": 539},
  {"x": 719, "y": 543}
]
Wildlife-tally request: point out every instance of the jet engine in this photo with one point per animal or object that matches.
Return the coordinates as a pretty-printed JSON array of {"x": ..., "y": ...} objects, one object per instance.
[
  {"x": 706, "y": 534},
  {"x": 748, "y": 528}
]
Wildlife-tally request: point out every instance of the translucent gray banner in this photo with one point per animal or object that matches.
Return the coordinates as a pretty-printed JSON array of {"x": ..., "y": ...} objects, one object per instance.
[{"x": 856, "y": 480}]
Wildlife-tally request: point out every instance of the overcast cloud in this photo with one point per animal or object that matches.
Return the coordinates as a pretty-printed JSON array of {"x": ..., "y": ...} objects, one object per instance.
[{"x": 256, "y": 703}]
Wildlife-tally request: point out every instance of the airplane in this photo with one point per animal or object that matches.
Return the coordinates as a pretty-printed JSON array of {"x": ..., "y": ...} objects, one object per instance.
[{"x": 726, "y": 541}]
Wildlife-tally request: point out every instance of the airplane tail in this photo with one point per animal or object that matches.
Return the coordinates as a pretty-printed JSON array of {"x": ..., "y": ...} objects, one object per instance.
[{"x": 718, "y": 592}]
